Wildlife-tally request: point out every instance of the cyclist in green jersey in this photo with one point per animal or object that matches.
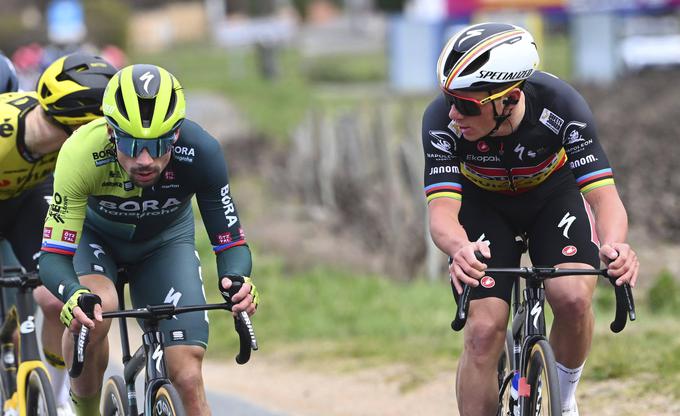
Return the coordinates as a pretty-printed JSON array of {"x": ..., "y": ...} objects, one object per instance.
[
  {"x": 33, "y": 126},
  {"x": 122, "y": 197}
]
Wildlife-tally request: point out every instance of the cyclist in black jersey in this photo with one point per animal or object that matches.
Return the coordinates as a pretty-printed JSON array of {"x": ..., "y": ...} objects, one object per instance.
[
  {"x": 33, "y": 126},
  {"x": 122, "y": 197},
  {"x": 512, "y": 152}
]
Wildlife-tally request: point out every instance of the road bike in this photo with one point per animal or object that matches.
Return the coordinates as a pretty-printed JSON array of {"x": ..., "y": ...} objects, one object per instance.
[
  {"x": 527, "y": 371},
  {"x": 119, "y": 397},
  {"x": 23, "y": 376}
]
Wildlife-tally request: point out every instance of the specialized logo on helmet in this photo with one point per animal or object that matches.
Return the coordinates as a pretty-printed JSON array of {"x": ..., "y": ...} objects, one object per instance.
[
  {"x": 505, "y": 76},
  {"x": 470, "y": 34},
  {"x": 146, "y": 78}
]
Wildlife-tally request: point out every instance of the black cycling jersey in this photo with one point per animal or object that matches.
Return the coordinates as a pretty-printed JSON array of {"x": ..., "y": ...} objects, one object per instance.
[{"x": 556, "y": 138}]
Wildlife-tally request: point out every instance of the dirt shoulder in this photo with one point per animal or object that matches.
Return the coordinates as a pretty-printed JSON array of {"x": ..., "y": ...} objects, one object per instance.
[{"x": 293, "y": 390}]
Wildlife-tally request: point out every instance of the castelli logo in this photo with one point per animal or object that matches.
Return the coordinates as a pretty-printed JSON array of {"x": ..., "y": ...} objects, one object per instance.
[
  {"x": 487, "y": 282},
  {"x": 569, "y": 251},
  {"x": 482, "y": 146}
]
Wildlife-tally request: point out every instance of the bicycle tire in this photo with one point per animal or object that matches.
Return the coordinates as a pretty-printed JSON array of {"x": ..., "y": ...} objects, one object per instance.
[
  {"x": 542, "y": 378},
  {"x": 114, "y": 397},
  {"x": 505, "y": 372},
  {"x": 166, "y": 402},
  {"x": 39, "y": 394}
]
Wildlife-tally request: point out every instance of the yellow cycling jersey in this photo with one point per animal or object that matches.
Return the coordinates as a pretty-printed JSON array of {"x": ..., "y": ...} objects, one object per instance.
[{"x": 19, "y": 170}]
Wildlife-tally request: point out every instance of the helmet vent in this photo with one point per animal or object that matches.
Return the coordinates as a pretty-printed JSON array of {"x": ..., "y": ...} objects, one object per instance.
[
  {"x": 171, "y": 105},
  {"x": 476, "y": 64},
  {"x": 451, "y": 61},
  {"x": 121, "y": 104},
  {"x": 146, "y": 106},
  {"x": 45, "y": 92}
]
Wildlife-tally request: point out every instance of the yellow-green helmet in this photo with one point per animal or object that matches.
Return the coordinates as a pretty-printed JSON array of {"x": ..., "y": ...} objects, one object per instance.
[
  {"x": 70, "y": 90},
  {"x": 144, "y": 101}
]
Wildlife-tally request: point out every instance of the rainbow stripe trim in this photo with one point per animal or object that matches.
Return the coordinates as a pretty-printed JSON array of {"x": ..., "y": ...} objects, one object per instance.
[
  {"x": 221, "y": 248},
  {"x": 593, "y": 180},
  {"x": 444, "y": 189},
  {"x": 473, "y": 53}
]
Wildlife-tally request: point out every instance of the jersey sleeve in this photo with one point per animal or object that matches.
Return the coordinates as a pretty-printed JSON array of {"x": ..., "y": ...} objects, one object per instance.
[
  {"x": 442, "y": 173},
  {"x": 64, "y": 223},
  {"x": 65, "y": 217},
  {"x": 586, "y": 157},
  {"x": 219, "y": 213}
]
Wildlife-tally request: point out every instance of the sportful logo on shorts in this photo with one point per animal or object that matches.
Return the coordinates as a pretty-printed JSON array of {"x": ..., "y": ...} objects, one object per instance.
[{"x": 178, "y": 335}]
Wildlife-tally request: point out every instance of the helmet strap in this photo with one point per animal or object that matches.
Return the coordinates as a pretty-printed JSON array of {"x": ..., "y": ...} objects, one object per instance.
[{"x": 499, "y": 118}]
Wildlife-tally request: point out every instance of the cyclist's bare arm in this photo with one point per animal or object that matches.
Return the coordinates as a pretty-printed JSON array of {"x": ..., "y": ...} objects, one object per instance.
[
  {"x": 611, "y": 222},
  {"x": 448, "y": 234}
]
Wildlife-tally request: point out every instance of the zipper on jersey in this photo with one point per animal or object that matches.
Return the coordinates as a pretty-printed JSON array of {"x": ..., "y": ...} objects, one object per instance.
[{"x": 501, "y": 153}]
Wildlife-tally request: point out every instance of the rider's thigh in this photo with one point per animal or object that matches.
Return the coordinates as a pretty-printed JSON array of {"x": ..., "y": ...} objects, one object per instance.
[
  {"x": 571, "y": 296},
  {"x": 49, "y": 303},
  {"x": 486, "y": 326}
]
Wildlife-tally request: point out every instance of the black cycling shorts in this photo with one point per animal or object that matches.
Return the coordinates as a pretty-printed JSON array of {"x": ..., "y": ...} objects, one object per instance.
[
  {"x": 22, "y": 219},
  {"x": 558, "y": 228}
]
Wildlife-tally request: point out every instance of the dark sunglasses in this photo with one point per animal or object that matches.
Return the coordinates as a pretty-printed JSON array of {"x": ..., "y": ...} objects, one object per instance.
[
  {"x": 470, "y": 106},
  {"x": 133, "y": 146}
]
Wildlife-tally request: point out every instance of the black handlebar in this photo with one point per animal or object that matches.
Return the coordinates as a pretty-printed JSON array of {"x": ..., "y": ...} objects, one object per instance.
[
  {"x": 625, "y": 305},
  {"x": 242, "y": 323},
  {"x": 86, "y": 302},
  {"x": 18, "y": 277}
]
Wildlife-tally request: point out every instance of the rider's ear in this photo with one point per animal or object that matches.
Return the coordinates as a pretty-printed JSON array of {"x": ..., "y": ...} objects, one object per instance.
[
  {"x": 512, "y": 97},
  {"x": 109, "y": 130}
]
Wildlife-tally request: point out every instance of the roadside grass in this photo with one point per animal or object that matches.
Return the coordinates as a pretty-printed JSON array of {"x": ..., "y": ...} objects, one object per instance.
[
  {"x": 274, "y": 108},
  {"x": 324, "y": 315}
]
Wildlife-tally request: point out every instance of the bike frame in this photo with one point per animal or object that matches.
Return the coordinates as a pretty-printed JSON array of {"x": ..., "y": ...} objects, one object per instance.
[
  {"x": 150, "y": 356},
  {"x": 528, "y": 327},
  {"x": 14, "y": 379}
]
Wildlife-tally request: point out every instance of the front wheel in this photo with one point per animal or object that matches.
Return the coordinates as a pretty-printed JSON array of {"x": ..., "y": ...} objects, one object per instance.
[
  {"x": 544, "y": 393},
  {"x": 39, "y": 394},
  {"x": 114, "y": 398},
  {"x": 166, "y": 402}
]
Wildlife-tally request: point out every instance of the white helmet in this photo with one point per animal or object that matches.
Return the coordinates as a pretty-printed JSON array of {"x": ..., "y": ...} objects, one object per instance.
[{"x": 486, "y": 56}]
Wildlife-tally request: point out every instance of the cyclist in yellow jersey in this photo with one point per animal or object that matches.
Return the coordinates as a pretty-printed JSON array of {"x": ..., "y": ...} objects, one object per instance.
[{"x": 33, "y": 126}]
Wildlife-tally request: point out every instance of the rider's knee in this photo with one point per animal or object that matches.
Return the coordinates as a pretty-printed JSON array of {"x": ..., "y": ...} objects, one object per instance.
[
  {"x": 573, "y": 306},
  {"x": 185, "y": 366},
  {"x": 484, "y": 339}
]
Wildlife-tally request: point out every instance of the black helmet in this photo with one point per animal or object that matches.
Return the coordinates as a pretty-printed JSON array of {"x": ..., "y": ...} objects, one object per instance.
[
  {"x": 71, "y": 88},
  {"x": 8, "y": 75}
]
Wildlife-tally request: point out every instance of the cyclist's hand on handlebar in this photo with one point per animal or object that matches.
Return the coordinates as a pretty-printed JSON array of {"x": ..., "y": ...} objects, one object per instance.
[
  {"x": 622, "y": 262},
  {"x": 465, "y": 268},
  {"x": 246, "y": 298},
  {"x": 72, "y": 316}
]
